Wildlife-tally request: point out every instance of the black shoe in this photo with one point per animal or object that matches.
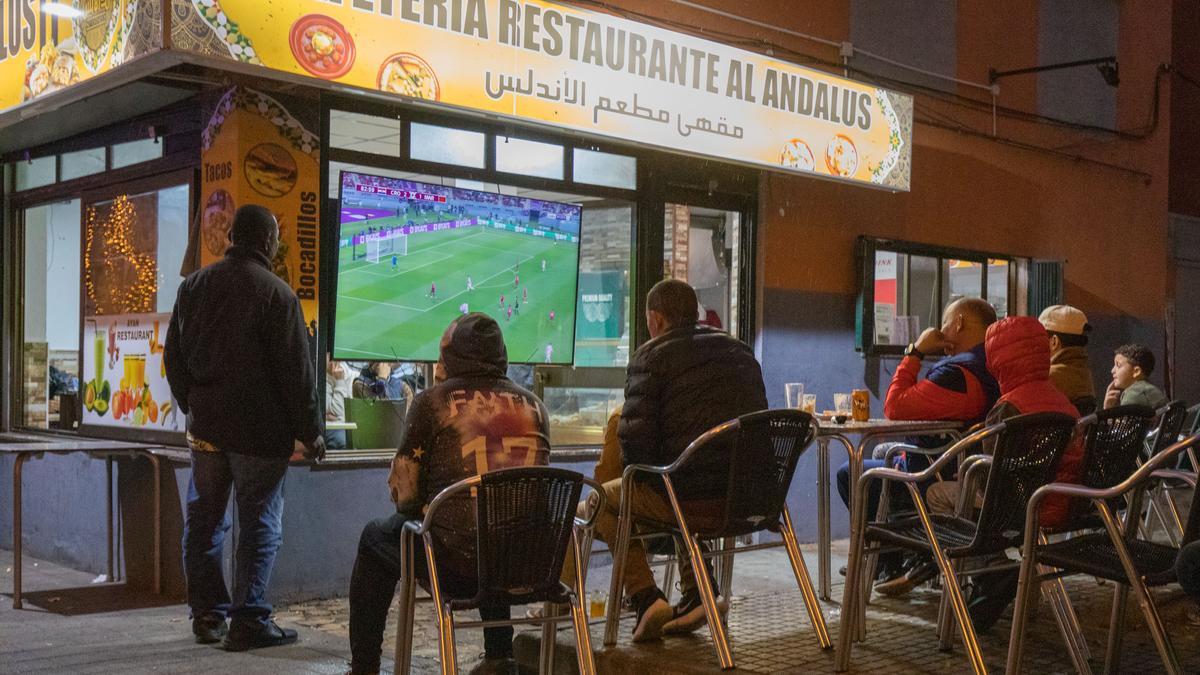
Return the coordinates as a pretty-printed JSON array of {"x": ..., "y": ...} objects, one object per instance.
[
  {"x": 245, "y": 636},
  {"x": 209, "y": 628},
  {"x": 652, "y": 612},
  {"x": 688, "y": 614},
  {"x": 988, "y": 600},
  {"x": 503, "y": 665}
]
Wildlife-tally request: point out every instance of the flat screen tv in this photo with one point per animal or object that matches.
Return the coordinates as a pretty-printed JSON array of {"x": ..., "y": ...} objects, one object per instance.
[{"x": 413, "y": 256}]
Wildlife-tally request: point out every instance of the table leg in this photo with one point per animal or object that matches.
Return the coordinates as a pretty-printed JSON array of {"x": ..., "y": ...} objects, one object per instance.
[
  {"x": 108, "y": 492},
  {"x": 18, "y": 463},
  {"x": 157, "y": 522},
  {"x": 824, "y": 561}
]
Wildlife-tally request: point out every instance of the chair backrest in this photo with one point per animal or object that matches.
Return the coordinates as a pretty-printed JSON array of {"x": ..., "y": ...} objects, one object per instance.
[
  {"x": 1112, "y": 444},
  {"x": 1191, "y": 422},
  {"x": 764, "y": 448},
  {"x": 1170, "y": 424},
  {"x": 524, "y": 520},
  {"x": 1025, "y": 457}
]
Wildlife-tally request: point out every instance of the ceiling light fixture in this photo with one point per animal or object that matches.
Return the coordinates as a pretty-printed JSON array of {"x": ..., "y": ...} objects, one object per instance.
[{"x": 61, "y": 9}]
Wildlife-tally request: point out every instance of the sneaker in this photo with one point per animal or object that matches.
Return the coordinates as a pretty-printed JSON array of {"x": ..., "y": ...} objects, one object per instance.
[
  {"x": 209, "y": 628},
  {"x": 688, "y": 614},
  {"x": 504, "y": 665},
  {"x": 988, "y": 600},
  {"x": 246, "y": 636},
  {"x": 904, "y": 583},
  {"x": 652, "y": 613}
]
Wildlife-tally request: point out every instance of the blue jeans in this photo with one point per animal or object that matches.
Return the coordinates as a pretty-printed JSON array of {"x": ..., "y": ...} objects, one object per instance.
[
  {"x": 257, "y": 483},
  {"x": 1187, "y": 567}
]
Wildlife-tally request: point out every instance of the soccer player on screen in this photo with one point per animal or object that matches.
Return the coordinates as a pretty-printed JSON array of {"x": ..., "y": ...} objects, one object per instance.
[
  {"x": 433, "y": 290},
  {"x": 517, "y": 306},
  {"x": 551, "y": 315},
  {"x": 516, "y": 280},
  {"x": 470, "y": 284},
  {"x": 395, "y": 261},
  {"x": 525, "y": 295},
  {"x": 543, "y": 264},
  {"x": 508, "y": 317},
  {"x": 464, "y": 309},
  {"x": 549, "y": 353}
]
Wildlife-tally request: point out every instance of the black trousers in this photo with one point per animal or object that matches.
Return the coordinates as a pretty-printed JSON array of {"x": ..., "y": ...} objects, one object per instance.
[{"x": 373, "y": 585}]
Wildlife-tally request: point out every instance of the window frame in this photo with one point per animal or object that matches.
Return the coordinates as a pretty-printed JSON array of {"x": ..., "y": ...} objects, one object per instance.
[{"x": 866, "y": 249}]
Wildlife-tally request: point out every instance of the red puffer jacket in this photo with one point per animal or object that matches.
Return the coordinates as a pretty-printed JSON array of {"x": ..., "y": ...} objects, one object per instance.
[{"x": 1018, "y": 354}]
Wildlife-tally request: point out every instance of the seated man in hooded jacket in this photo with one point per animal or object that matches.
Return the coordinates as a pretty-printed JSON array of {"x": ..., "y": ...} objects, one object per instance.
[
  {"x": 1018, "y": 354},
  {"x": 473, "y": 420}
]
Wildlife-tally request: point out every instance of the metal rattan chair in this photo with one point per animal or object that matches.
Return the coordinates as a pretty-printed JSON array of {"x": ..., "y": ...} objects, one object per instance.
[
  {"x": 1117, "y": 554},
  {"x": 525, "y": 521},
  {"x": 1026, "y": 453},
  {"x": 763, "y": 449},
  {"x": 1171, "y": 418}
]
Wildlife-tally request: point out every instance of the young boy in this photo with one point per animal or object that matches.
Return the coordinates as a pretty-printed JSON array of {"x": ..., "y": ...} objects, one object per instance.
[{"x": 1132, "y": 364}]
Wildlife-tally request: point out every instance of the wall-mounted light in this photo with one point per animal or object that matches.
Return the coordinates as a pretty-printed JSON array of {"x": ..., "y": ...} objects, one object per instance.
[
  {"x": 61, "y": 9},
  {"x": 1107, "y": 66}
]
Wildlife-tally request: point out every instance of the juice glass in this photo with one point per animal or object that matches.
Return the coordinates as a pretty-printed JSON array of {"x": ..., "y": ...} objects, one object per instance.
[{"x": 98, "y": 345}]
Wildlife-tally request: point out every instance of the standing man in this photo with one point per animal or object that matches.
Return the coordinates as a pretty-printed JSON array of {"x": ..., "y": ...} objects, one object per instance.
[
  {"x": 238, "y": 364},
  {"x": 1069, "y": 371}
]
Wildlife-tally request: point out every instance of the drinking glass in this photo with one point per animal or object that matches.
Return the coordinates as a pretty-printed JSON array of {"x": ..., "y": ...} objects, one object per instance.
[
  {"x": 841, "y": 404},
  {"x": 795, "y": 392},
  {"x": 810, "y": 404}
]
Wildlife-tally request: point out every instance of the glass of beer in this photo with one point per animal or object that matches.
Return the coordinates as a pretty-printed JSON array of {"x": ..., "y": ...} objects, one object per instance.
[
  {"x": 860, "y": 402},
  {"x": 810, "y": 404}
]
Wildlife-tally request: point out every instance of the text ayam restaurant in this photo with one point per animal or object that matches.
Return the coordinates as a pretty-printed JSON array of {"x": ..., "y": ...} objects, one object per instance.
[{"x": 426, "y": 158}]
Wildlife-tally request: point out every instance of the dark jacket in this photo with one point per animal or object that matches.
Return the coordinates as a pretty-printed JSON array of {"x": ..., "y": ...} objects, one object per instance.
[
  {"x": 1069, "y": 372},
  {"x": 1018, "y": 354},
  {"x": 474, "y": 421},
  {"x": 238, "y": 361},
  {"x": 680, "y": 385}
]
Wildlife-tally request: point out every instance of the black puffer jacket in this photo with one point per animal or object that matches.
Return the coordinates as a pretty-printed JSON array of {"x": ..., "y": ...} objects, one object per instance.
[
  {"x": 238, "y": 359},
  {"x": 680, "y": 385}
]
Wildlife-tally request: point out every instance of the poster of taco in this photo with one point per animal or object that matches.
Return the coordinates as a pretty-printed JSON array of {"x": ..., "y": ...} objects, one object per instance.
[{"x": 270, "y": 170}]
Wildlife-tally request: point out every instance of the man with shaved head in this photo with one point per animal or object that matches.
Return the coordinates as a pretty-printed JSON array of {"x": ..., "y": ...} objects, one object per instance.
[{"x": 957, "y": 387}]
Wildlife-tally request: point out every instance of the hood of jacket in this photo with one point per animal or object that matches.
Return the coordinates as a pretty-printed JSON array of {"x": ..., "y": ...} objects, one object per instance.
[
  {"x": 1018, "y": 352},
  {"x": 473, "y": 346}
]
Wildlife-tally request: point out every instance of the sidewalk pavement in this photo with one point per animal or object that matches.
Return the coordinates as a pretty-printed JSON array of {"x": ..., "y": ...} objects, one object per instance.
[{"x": 71, "y": 625}]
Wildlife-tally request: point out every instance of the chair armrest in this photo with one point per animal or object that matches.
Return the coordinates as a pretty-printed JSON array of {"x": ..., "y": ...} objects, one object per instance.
[
  {"x": 953, "y": 451},
  {"x": 601, "y": 498},
  {"x": 1186, "y": 477}
]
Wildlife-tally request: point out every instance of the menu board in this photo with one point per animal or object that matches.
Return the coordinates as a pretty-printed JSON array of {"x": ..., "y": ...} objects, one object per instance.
[{"x": 124, "y": 380}]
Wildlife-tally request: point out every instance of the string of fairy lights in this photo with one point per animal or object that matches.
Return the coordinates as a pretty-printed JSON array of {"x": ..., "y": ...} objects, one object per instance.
[{"x": 116, "y": 232}]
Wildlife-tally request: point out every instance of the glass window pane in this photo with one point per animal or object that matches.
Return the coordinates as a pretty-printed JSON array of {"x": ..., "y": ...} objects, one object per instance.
[
  {"x": 447, "y": 146},
  {"x": 530, "y": 158},
  {"x": 35, "y": 172},
  {"x": 602, "y": 168},
  {"x": 961, "y": 279},
  {"x": 886, "y": 300},
  {"x": 135, "y": 246},
  {"x": 82, "y": 163},
  {"x": 701, "y": 247},
  {"x": 578, "y": 414},
  {"x": 917, "y": 281},
  {"x": 133, "y": 152},
  {"x": 50, "y": 344},
  {"x": 997, "y": 281},
  {"x": 364, "y": 133},
  {"x": 602, "y": 321}
]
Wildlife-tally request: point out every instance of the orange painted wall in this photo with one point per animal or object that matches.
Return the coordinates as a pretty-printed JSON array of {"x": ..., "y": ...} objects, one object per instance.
[{"x": 1108, "y": 222}]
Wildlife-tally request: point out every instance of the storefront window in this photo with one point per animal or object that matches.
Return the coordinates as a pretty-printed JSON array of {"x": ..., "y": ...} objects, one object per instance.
[
  {"x": 50, "y": 347},
  {"x": 35, "y": 173},
  {"x": 447, "y": 146},
  {"x": 606, "y": 169},
  {"x": 135, "y": 152},
  {"x": 908, "y": 285},
  {"x": 82, "y": 163},
  {"x": 529, "y": 158},
  {"x": 701, "y": 247},
  {"x": 364, "y": 133}
]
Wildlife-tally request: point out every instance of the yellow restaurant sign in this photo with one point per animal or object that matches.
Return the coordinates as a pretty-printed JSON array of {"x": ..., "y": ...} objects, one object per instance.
[{"x": 557, "y": 65}]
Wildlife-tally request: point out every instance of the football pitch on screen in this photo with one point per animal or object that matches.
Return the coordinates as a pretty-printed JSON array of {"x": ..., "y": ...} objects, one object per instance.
[{"x": 387, "y": 312}]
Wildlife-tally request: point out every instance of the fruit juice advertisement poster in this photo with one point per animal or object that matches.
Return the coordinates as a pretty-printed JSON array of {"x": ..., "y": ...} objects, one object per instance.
[{"x": 124, "y": 379}]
